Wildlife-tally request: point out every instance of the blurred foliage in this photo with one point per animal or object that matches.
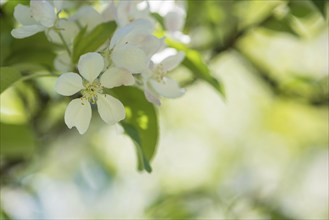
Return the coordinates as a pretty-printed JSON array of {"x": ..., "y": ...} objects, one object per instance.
[
  {"x": 193, "y": 61},
  {"x": 9, "y": 75},
  {"x": 218, "y": 29}
]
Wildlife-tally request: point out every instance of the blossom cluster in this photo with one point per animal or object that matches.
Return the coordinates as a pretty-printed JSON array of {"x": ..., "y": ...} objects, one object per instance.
[{"x": 132, "y": 56}]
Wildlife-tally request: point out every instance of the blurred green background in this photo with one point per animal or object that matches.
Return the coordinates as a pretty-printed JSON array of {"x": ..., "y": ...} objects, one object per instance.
[{"x": 259, "y": 153}]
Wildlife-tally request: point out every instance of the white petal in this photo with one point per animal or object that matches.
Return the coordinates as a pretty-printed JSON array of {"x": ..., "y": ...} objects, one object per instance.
[
  {"x": 114, "y": 77},
  {"x": 123, "y": 9},
  {"x": 58, "y": 4},
  {"x": 128, "y": 11},
  {"x": 131, "y": 31},
  {"x": 23, "y": 15},
  {"x": 62, "y": 62},
  {"x": 151, "y": 96},
  {"x": 172, "y": 62},
  {"x": 69, "y": 30},
  {"x": 78, "y": 114},
  {"x": 68, "y": 84},
  {"x": 160, "y": 56},
  {"x": 151, "y": 44},
  {"x": 90, "y": 65},
  {"x": 175, "y": 19},
  {"x": 146, "y": 74},
  {"x": 43, "y": 12},
  {"x": 168, "y": 88},
  {"x": 118, "y": 35},
  {"x": 179, "y": 36},
  {"x": 88, "y": 16},
  {"x": 162, "y": 7},
  {"x": 139, "y": 30},
  {"x": 164, "y": 54},
  {"x": 26, "y": 31},
  {"x": 130, "y": 57},
  {"x": 110, "y": 109},
  {"x": 108, "y": 14}
]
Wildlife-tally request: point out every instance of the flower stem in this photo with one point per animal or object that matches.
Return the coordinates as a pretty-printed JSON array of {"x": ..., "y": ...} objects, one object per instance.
[
  {"x": 64, "y": 43},
  {"x": 36, "y": 75}
]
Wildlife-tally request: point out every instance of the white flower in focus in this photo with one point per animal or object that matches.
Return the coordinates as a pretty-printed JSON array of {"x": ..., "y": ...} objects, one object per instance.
[
  {"x": 39, "y": 17},
  {"x": 156, "y": 82},
  {"x": 78, "y": 112}
]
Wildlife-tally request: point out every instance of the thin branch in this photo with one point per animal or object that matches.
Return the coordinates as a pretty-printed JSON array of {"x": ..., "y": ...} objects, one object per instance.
[
  {"x": 64, "y": 42},
  {"x": 232, "y": 41},
  {"x": 32, "y": 76},
  {"x": 318, "y": 98}
]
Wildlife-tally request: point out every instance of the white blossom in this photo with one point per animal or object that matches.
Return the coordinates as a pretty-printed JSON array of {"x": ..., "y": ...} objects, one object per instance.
[
  {"x": 156, "y": 81},
  {"x": 174, "y": 14},
  {"x": 129, "y": 11},
  {"x": 68, "y": 29},
  {"x": 133, "y": 45},
  {"x": 109, "y": 11},
  {"x": 88, "y": 17},
  {"x": 78, "y": 112},
  {"x": 63, "y": 61},
  {"x": 39, "y": 17}
]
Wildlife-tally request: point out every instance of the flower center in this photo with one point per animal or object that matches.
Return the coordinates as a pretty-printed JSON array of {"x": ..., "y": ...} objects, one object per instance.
[
  {"x": 159, "y": 73},
  {"x": 91, "y": 91}
]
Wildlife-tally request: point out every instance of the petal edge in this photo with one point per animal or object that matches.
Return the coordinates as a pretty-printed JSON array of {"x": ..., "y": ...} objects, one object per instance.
[
  {"x": 110, "y": 109},
  {"x": 90, "y": 65},
  {"x": 78, "y": 114}
]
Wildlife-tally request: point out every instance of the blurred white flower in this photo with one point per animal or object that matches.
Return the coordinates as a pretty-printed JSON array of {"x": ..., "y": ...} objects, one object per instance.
[
  {"x": 39, "y": 17},
  {"x": 78, "y": 112},
  {"x": 174, "y": 13},
  {"x": 63, "y": 61},
  {"x": 88, "y": 17},
  {"x": 129, "y": 11},
  {"x": 156, "y": 82},
  {"x": 174, "y": 23},
  {"x": 2, "y": 2},
  {"x": 68, "y": 30},
  {"x": 161, "y": 7},
  {"x": 109, "y": 11},
  {"x": 133, "y": 45}
]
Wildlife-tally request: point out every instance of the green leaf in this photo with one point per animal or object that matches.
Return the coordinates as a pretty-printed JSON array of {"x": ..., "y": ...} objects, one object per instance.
[
  {"x": 158, "y": 18},
  {"x": 8, "y": 75},
  {"x": 34, "y": 50},
  {"x": 5, "y": 49},
  {"x": 4, "y": 215},
  {"x": 44, "y": 58},
  {"x": 321, "y": 6},
  {"x": 141, "y": 123},
  {"x": 133, "y": 133},
  {"x": 301, "y": 9},
  {"x": 16, "y": 140},
  {"x": 91, "y": 41},
  {"x": 279, "y": 25},
  {"x": 193, "y": 61}
]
